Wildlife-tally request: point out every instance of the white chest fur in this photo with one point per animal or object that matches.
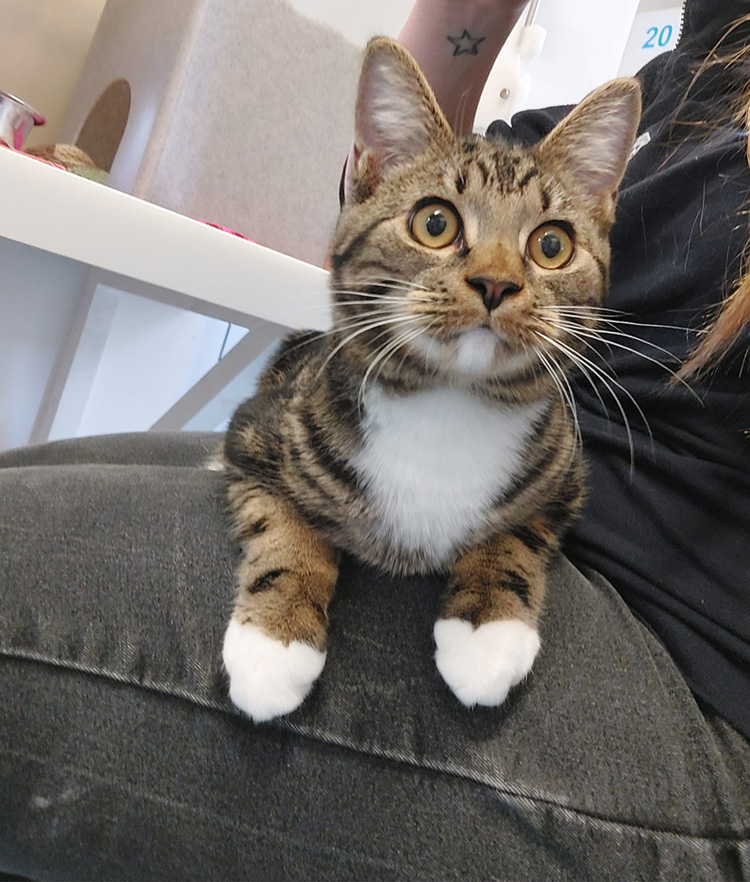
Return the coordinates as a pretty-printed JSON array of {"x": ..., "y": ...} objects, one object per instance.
[{"x": 434, "y": 462}]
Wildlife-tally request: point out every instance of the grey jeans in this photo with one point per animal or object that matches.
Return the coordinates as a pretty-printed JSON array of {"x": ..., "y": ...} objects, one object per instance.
[{"x": 121, "y": 757}]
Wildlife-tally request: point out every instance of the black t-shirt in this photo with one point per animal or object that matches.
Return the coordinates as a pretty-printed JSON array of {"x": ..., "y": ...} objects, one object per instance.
[{"x": 669, "y": 524}]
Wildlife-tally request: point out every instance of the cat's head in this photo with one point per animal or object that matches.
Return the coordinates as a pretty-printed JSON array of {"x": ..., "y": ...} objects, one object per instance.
[{"x": 466, "y": 258}]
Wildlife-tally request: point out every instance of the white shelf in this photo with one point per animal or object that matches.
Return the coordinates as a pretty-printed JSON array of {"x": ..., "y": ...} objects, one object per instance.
[
  {"x": 211, "y": 271},
  {"x": 84, "y": 245}
]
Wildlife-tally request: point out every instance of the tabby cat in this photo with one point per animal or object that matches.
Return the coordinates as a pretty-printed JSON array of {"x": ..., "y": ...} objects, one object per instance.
[{"x": 431, "y": 430}]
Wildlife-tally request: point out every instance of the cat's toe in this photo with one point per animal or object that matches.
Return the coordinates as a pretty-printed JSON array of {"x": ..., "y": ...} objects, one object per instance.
[
  {"x": 266, "y": 678},
  {"x": 482, "y": 664}
]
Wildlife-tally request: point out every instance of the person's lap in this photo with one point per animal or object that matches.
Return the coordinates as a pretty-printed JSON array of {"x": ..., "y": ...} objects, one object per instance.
[{"x": 121, "y": 756}]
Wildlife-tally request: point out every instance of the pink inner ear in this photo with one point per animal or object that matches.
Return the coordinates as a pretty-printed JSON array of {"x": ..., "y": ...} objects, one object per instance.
[
  {"x": 362, "y": 171},
  {"x": 367, "y": 165},
  {"x": 397, "y": 115}
]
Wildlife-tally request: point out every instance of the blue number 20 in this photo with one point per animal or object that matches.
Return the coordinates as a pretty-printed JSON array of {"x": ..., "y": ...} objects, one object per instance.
[{"x": 664, "y": 36}]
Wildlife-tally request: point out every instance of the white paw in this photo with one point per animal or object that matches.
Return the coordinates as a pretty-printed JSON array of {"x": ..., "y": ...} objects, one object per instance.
[
  {"x": 266, "y": 678},
  {"x": 482, "y": 664}
]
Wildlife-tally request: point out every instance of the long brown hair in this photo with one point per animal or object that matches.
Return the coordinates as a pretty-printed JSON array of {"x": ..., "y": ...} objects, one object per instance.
[{"x": 733, "y": 316}]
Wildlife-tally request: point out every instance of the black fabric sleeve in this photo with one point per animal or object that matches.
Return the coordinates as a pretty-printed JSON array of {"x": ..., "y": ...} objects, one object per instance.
[{"x": 528, "y": 126}]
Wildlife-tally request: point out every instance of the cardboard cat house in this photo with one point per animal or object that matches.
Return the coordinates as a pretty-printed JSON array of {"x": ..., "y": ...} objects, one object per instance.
[{"x": 236, "y": 112}]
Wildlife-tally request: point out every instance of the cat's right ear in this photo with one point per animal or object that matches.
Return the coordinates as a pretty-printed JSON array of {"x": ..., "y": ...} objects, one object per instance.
[
  {"x": 593, "y": 143},
  {"x": 397, "y": 115}
]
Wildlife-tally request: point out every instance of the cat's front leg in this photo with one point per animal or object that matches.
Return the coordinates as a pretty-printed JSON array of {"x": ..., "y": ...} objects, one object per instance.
[
  {"x": 487, "y": 638},
  {"x": 275, "y": 644}
]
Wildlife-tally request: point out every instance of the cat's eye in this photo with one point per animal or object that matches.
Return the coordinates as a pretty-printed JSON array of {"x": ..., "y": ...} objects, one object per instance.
[
  {"x": 435, "y": 224},
  {"x": 550, "y": 246}
]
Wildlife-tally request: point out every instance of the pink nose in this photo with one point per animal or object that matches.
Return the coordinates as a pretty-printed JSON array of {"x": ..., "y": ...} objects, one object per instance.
[{"x": 493, "y": 291}]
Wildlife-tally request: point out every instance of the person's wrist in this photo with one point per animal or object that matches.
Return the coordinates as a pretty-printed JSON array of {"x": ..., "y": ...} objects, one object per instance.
[{"x": 514, "y": 7}]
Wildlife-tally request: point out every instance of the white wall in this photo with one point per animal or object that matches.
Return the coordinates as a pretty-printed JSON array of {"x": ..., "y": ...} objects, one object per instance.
[
  {"x": 581, "y": 51},
  {"x": 585, "y": 39},
  {"x": 142, "y": 375},
  {"x": 43, "y": 44},
  {"x": 32, "y": 330},
  {"x": 655, "y": 30},
  {"x": 42, "y": 47},
  {"x": 357, "y": 21}
]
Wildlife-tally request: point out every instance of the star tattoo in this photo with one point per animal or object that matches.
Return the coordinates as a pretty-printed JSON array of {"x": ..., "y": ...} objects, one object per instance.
[{"x": 465, "y": 44}]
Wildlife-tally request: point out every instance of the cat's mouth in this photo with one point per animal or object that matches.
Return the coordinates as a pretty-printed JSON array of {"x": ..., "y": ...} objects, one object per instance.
[{"x": 479, "y": 351}]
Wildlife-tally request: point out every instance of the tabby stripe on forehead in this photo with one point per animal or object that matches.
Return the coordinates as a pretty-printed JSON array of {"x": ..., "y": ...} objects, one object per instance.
[{"x": 532, "y": 173}]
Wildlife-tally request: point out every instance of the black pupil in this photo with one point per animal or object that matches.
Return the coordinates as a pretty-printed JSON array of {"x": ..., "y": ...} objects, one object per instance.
[
  {"x": 551, "y": 245},
  {"x": 436, "y": 223}
]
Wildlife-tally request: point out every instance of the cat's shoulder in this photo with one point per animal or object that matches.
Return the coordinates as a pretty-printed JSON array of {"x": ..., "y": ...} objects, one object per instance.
[{"x": 295, "y": 352}]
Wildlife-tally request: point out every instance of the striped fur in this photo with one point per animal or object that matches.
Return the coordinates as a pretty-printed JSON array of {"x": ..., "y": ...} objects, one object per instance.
[{"x": 428, "y": 432}]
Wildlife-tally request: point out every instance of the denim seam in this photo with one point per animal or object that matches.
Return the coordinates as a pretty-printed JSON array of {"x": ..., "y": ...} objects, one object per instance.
[{"x": 514, "y": 795}]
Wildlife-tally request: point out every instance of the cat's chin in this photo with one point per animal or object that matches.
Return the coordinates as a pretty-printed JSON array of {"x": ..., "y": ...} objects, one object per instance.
[{"x": 477, "y": 352}]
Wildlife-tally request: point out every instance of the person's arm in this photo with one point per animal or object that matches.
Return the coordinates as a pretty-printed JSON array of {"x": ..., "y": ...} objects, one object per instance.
[{"x": 456, "y": 42}]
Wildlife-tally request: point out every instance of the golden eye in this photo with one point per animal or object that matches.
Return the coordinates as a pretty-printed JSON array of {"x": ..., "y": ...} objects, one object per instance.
[
  {"x": 435, "y": 225},
  {"x": 550, "y": 246}
]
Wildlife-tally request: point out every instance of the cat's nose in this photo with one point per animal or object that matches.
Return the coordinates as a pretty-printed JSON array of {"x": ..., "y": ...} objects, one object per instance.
[{"x": 493, "y": 291}]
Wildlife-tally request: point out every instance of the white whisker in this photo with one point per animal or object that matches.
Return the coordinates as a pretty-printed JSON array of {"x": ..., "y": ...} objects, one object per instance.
[
  {"x": 597, "y": 312},
  {"x": 389, "y": 348},
  {"x": 584, "y": 334},
  {"x": 367, "y": 326},
  {"x": 585, "y": 365},
  {"x": 390, "y": 280},
  {"x": 556, "y": 372},
  {"x": 359, "y": 322},
  {"x": 583, "y": 307}
]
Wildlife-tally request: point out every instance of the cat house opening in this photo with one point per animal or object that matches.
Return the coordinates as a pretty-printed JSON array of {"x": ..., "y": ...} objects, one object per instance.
[{"x": 102, "y": 132}]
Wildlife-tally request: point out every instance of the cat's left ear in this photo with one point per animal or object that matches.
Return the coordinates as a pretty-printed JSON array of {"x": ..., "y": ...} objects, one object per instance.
[
  {"x": 593, "y": 143},
  {"x": 397, "y": 115}
]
